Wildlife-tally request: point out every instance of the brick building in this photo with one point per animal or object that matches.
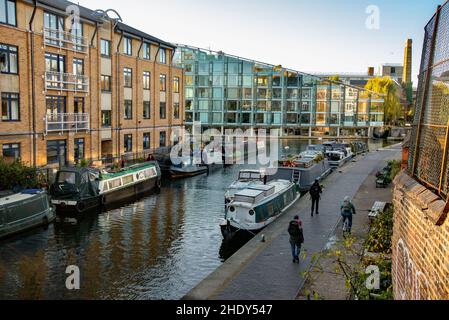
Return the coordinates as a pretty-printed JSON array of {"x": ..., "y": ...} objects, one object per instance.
[
  {"x": 77, "y": 84},
  {"x": 420, "y": 266}
]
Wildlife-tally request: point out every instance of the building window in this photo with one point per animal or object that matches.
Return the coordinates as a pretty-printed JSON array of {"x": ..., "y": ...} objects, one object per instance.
[
  {"x": 78, "y": 105},
  {"x": 10, "y": 107},
  {"x": 56, "y": 152},
  {"x": 128, "y": 46},
  {"x": 77, "y": 36},
  {"x": 11, "y": 152},
  {"x": 78, "y": 70},
  {"x": 146, "y": 51},
  {"x": 128, "y": 142},
  {"x": 54, "y": 63},
  {"x": 8, "y": 59},
  {"x": 128, "y": 77},
  {"x": 105, "y": 48},
  {"x": 176, "y": 85},
  {"x": 146, "y": 110},
  {"x": 162, "y": 82},
  {"x": 53, "y": 28},
  {"x": 162, "y": 110},
  {"x": 106, "y": 118},
  {"x": 79, "y": 149},
  {"x": 8, "y": 12},
  {"x": 176, "y": 110},
  {"x": 55, "y": 104},
  {"x": 162, "y": 139},
  {"x": 393, "y": 70},
  {"x": 146, "y": 80},
  {"x": 162, "y": 56},
  {"x": 146, "y": 141},
  {"x": 128, "y": 109},
  {"x": 106, "y": 83}
]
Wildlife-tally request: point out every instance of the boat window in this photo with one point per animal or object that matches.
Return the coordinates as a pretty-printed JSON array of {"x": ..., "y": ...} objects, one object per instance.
[
  {"x": 67, "y": 177},
  {"x": 244, "y": 175},
  {"x": 128, "y": 179},
  {"x": 105, "y": 187},
  {"x": 115, "y": 183}
]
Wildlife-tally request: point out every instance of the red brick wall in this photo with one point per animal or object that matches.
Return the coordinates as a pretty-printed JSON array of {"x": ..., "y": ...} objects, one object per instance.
[{"x": 420, "y": 242}]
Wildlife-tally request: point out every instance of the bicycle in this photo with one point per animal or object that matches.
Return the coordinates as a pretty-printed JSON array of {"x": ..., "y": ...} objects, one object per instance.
[{"x": 346, "y": 228}]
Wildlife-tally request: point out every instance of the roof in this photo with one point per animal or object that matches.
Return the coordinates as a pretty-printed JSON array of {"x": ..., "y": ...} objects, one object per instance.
[
  {"x": 130, "y": 30},
  {"x": 62, "y": 5},
  {"x": 94, "y": 16}
]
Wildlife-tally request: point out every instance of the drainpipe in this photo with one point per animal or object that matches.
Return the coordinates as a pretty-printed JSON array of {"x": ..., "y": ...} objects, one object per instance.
[
  {"x": 33, "y": 83},
  {"x": 90, "y": 88},
  {"x": 138, "y": 74},
  {"x": 153, "y": 100},
  {"x": 117, "y": 53}
]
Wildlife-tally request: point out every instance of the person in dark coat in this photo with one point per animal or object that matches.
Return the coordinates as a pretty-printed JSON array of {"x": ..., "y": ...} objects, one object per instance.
[
  {"x": 296, "y": 237},
  {"x": 315, "y": 194}
]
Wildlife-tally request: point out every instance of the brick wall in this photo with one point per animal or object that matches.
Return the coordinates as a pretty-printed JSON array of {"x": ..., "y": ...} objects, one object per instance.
[{"x": 420, "y": 242}]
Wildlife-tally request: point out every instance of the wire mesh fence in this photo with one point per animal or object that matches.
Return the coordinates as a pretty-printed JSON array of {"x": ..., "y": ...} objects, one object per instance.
[{"x": 428, "y": 160}]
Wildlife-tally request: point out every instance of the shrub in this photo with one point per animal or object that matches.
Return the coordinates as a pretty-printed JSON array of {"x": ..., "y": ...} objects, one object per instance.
[
  {"x": 379, "y": 236},
  {"x": 17, "y": 176}
]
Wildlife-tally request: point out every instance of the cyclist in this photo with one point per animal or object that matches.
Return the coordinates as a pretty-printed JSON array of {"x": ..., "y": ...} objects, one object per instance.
[{"x": 347, "y": 209}]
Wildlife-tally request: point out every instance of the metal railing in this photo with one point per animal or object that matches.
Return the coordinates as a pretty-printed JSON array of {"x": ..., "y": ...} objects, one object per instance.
[
  {"x": 65, "y": 40},
  {"x": 66, "y": 82},
  {"x": 66, "y": 122}
]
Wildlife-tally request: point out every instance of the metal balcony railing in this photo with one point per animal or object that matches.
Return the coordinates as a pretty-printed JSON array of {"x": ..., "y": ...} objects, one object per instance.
[
  {"x": 66, "y": 82},
  {"x": 65, "y": 40},
  {"x": 66, "y": 122}
]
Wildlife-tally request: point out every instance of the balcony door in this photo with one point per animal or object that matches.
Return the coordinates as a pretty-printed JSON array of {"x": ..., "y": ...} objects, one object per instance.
[
  {"x": 53, "y": 28},
  {"x": 55, "y": 70},
  {"x": 78, "y": 72}
]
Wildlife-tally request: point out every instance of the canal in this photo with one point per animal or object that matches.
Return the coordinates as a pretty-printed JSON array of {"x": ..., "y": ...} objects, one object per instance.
[{"x": 158, "y": 247}]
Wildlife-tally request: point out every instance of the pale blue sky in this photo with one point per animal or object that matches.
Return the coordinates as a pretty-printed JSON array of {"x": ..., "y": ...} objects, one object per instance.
[{"x": 309, "y": 36}]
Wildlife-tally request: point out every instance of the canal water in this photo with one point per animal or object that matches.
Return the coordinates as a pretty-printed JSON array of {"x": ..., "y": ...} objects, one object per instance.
[{"x": 158, "y": 247}]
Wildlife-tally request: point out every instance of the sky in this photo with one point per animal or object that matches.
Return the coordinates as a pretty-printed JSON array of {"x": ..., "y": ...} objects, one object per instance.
[{"x": 312, "y": 36}]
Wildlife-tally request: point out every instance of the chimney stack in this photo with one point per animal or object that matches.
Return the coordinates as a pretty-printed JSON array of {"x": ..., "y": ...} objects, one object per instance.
[
  {"x": 407, "y": 76},
  {"x": 371, "y": 71}
]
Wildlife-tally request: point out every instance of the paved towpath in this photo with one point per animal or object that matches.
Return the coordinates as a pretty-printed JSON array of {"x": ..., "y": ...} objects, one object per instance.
[{"x": 264, "y": 270}]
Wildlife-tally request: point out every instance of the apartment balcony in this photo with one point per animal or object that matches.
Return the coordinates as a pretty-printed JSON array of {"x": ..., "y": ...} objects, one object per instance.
[
  {"x": 66, "y": 122},
  {"x": 66, "y": 82},
  {"x": 65, "y": 40}
]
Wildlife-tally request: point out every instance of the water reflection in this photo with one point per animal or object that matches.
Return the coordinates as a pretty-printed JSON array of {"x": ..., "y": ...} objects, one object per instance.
[{"x": 158, "y": 247}]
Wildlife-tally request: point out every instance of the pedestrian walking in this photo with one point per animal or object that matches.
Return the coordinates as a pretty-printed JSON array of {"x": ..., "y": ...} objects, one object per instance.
[
  {"x": 296, "y": 237},
  {"x": 347, "y": 210},
  {"x": 315, "y": 194}
]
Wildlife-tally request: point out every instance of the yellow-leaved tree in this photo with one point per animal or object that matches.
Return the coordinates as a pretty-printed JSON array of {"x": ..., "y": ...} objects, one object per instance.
[{"x": 389, "y": 89}]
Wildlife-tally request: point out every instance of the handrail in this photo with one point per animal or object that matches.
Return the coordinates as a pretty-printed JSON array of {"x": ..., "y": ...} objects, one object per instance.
[{"x": 66, "y": 40}]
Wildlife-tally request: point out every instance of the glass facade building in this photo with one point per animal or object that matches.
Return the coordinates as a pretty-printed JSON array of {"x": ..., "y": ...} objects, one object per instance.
[{"x": 224, "y": 91}]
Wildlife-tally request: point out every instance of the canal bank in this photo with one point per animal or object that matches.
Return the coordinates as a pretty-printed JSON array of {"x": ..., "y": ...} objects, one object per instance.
[{"x": 264, "y": 269}]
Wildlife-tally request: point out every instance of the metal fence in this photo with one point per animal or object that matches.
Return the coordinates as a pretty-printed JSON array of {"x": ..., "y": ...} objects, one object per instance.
[{"x": 428, "y": 160}]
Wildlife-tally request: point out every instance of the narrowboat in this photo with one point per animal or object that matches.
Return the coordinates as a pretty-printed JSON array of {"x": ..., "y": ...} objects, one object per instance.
[
  {"x": 246, "y": 178},
  {"x": 338, "y": 153},
  {"x": 187, "y": 168},
  {"x": 306, "y": 168},
  {"x": 83, "y": 189},
  {"x": 257, "y": 206},
  {"x": 24, "y": 210}
]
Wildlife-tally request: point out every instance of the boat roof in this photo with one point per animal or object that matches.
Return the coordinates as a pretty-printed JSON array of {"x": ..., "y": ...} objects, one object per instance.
[
  {"x": 15, "y": 198},
  {"x": 249, "y": 193},
  {"x": 128, "y": 170},
  {"x": 261, "y": 187}
]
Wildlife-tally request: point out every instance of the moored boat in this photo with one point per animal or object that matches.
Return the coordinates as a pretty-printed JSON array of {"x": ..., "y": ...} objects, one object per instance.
[
  {"x": 306, "y": 168},
  {"x": 82, "y": 189},
  {"x": 257, "y": 206},
  {"x": 24, "y": 210},
  {"x": 338, "y": 153}
]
